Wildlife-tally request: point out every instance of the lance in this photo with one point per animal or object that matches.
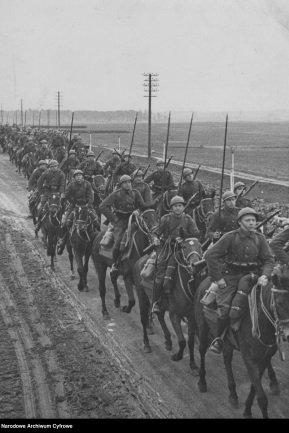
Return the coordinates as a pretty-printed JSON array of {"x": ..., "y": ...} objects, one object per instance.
[
  {"x": 223, "y": 165},
  {"x": 98, "y": 156},
  {"x": 166, "y": 153},
  {"x": 196, "y": 172},
  {"x": 190, "y": 200},
  {"x": 146, "y": 170},
  {"x": 185, "y": 156},
  {"x": 70, "y": 134},
  {"x": 250, "y": 188},
  {"x": 267, "y": 219},
  {"x": 134, "y": 126},
  {"x": 169, "y": 160},
  {"x": 135, "y": 175}
]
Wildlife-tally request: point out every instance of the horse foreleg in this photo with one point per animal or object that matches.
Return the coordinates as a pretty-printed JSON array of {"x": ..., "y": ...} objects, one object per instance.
[
  {"x": 203, "y": 346},
  {"x": 191, "y": 344},
  {"x": 176, "y": 322},
  {"x": 228, "y": 356},
  {"x": 85, "y": 269},
  {"x": 168, "y": 339},
  {"x": 274, "y": 385},
  {"x": 129, "y": 289},
  {"x": 101, "y": 273},
  {"x": 144, "y": 306},
  {"x": 70, "y": 256},
  {"x": 116, "y": 291},
  {"x": 78, "y": 259}
]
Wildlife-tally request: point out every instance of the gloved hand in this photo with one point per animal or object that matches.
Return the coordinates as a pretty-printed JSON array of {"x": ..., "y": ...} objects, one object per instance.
[
  {"x": 136, "y": 212},
  {"x": 263, "y": 281},
  {"x": 221, "y": 283},
  {"x": 179, "y": 240},
  {"x": 156, "y": 241},
  {"x": 62, "y": 196}
]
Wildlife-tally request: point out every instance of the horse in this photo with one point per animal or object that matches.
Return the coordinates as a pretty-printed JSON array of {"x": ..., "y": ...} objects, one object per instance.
[
  {"x": 81, "y": 237},
  {"x": 50, "y": 225},
  {"x": 263, "y": 326},
  {"x": 179, "y": 303},
  {"x": 28, "y": 164},
  {"x": 164, "y": 204},
  {"x": 202, "y": 215},
  {"x": 102, "y": 258},
  {"x": 61, "y": 233},
  {"x": 33, "y": 202},
  {"x": 98, "y": 187}
]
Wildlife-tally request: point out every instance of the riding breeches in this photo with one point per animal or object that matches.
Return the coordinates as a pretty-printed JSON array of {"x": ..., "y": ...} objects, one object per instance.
[{"x": 119, "y": 229}]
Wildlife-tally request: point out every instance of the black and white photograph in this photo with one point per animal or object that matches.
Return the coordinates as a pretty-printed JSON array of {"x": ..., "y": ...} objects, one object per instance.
[{"x": 144, "y": 211}]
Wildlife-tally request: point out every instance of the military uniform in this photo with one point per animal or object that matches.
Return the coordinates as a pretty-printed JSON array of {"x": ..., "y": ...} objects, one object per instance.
[
  {"x": 223, "y": 223},
  {"x": 71, "y": 164},
  {"x": 79, "y": 193},
  {"x": 242, "y": 202},
  {"x": 144, "y": 190},
  {"x": 124, "y": 203},
  {"x": 90, "y": 167},
  {"x": 161, "y": 181},
  {"x": 171, "y": 227},
  {"x": 37, "y": 172},
  {"x": 277, "y": 246},
  {"x": 233, "y": 257},
  {"x": 43, "y": 153},
  {"x": 188, "y": 189},
  {"x": 29, "y": 147},
  {"x": 111, "y": 165},
  {"x": 125, "y": 167},
  {"x": 50, "y": 182}
]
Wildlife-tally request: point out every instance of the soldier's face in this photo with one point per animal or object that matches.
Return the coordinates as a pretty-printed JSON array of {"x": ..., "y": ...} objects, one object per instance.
[
  {"x": 248, "y": 222},
  {"x": 230, "y": 203},
  {"x": 189, "y": 177},
  {"x": 178, "y": 208},
  {"x": 126, "y": 185},
  {"x": 238, "y": 190},
  {"x": 78, "y": 178}
]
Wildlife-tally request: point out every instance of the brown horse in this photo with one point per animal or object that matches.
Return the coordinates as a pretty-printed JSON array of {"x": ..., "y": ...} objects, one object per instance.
[
  {"x": 139, "y": 239},
  {"x": 179, "y": 304},
  {"x": 262, "y": 328}
]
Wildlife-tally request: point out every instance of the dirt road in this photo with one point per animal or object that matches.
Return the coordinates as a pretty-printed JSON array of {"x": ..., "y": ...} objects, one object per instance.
[{"x": 60, "y": 359}]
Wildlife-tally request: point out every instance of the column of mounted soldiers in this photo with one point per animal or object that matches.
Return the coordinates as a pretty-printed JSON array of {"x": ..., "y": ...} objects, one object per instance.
[{"x": 236, "y": 253}]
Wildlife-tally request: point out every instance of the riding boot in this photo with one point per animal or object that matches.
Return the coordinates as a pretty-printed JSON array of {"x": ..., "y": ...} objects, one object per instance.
[
  {"x": 217, "y": 343},
  {"x": 39, "y": 221},
  {"x": 157, "y": 297}
]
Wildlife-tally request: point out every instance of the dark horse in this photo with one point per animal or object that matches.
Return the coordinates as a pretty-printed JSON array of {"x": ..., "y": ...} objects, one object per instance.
[
  {"x": 50, "y": 225},
  {"x": 63, "y": 232},
  {"x": 179, "y": 303},
  {"x": 262, "y": 328},
  {"x": 138, "y": 239},
  {"x": 98, "y": 187},
  {"x": 202, "y": 215},
  {"x": 164, "y": 204},
  {"x": 81, "y": 237}
]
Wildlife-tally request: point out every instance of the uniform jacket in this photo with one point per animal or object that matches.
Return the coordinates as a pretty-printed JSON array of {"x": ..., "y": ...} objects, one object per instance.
[
  {"x": 71, "y": 163},
  {"x": 124, "y": 168},
  {"x": 226, "y": 222},
  {"x": 43, "y": 153},
  {"x": 238, "y": 248},
  {"x": 188, "y": 189},
  {"x": 242, "y": 202},
  {"x": 51, "y": 181},
  {"x": 90, "y": 167},
  {"x": 37, "y": 172},
  {"x": 111, "y": 165},
  {"x": 170, "y": 225},
  {"x": 77, "y": 192},
  {"x": 144, "y": 190},
  {"x": 277, "y": 244},
  {"x": 123, "y": 202},
  {"x": 160, "y": 179}
]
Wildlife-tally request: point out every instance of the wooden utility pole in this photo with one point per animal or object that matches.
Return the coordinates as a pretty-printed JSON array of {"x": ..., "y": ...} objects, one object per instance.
[
  {"x": 150, "y": 86},
  {"x": 48, "y": 118},
  {"x": 39, "y": 119},
  {"x": 21, "y": 113}
]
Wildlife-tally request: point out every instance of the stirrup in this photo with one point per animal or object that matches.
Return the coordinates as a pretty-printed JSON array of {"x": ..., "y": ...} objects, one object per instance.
[
  {"x": 216, "y": 345},
  {"x": 156, "y": 307}
]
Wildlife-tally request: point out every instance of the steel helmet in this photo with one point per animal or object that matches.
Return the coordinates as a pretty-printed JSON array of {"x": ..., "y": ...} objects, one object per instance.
[
  {"x": 187, "y": 171},
  {"x": 53, "y": 163},
  {"x": 77, "y": 172},
  {"x": 43, "y": 161},
  {"x": 30, "y": 138},
  {"x": 176, "y": 200},
  {"x": 43, "y": 141},
  {"x": 72, "y": 152},
  {"x": 90, "y": 153},
  {"x": 124, "y": 178},
  {"x": 137, "y": 172},
  {"x": 247, "y": 211},
  {"x": 227, "y": 195},
  {"x": 238, "y": 184},
  {"x": 160, "y": 162}
]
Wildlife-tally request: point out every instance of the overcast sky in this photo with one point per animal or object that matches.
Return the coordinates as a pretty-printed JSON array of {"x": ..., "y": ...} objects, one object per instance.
[{"x": 211, "y": 55}]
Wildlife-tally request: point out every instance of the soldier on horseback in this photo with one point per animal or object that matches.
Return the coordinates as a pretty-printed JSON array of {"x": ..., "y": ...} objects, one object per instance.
[
  {"x": 51, "y": 181},
  {"x": 241, "y": 201},
  {"x": 124, "y": 201},
  {"x": 90, "y": 167},
  {"x": 71, "y": 164},
  {"x": 225, "y": 220},
  {"x": 189, "y": 188},
  {"x": 277, "y": 246},
  {"x": 139, "y": 184},
  {"x": 125, "y": 167},
  {"x": 111, "y": 164},
  {"x": 239, "y": 259},
  {"x": 43, "y": 152},
  {"x": 37, "y": 172},
  {"x": 173, "y": 228},
  {"x": 162, "y": 179},
  {"x": 79, "y": 192}
]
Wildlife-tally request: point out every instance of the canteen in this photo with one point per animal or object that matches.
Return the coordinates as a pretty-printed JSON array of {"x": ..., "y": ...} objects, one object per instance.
[{"x": 149, "y": 267}]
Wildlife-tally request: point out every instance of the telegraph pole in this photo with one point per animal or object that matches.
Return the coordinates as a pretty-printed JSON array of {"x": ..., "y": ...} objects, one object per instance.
[
  {"x": 21, "y": 113},
  {"x": 150, "y": 87},
  {"x": 39, "y": 119},
  {"x": 48, "y": 118},
  {"x": 59, "y": 96},
  {"x": 1, "y": 115}
]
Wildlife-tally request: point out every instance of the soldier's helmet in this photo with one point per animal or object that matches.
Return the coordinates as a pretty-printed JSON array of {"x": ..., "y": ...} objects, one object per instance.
[
  {"x": 43, "y": 141},
  {"x": 71, "y": 152},
  {"x": 79, "y": 138},
  {"x": 137, "y": 172},
  {"x": 160, "y": 162},
  {"x": 187, "y": 171},
  {"x": 42, "y": 161},
  {"x": 53, "y": 163},
  {"x": 227, "y": 195},
  {"x": 90, "y": 153},
  {"x": 176, "y": 200},
  {"x": 124, "y": 178},
  {"x": 247, "y": 211},
  {"x": 238, "y": 185},
  {"x": 30, "y": 138},
  {"x": 77, "y": 172}
]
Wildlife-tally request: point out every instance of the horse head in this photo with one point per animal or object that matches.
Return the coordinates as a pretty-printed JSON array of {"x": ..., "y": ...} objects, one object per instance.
[
  {"x": 207, "y": 207},
  {"x": 82, "y": 219},
  {"x": 192, "y": 252},
  {"x": 98, "y": 185},
  {"x": 280, "y": 297},
  {"x": 54, "y": 204},
  {"x": 149, "y": 219}
]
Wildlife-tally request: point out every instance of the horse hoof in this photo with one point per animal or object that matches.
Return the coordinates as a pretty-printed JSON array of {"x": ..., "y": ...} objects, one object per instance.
[
  {"x": 202, "y": 387},
  {"x": 195, "y": 370},
  {"x": 86, "y": 289},
  {"x": 274, "y": 389},
  {"x": 247, "y": 415},
  {"x": 147, "y": 348},
  {"x": 128, "y": 308},
  {"x": 168, "y": 345},
  {"x": 176, "y": 357},
  {"x": 117, "y": 302},
  {"x": 80, "y": 289},
  {"x": 150, "y": 330},
  {"x": 234, "y": 402},
  {"x": 105, "y": 315},
  {"x": 72, "y": 277}
]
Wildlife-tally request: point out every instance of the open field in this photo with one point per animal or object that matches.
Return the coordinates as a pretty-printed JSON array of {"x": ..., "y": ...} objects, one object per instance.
[{"x": 260, "y": 148}]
